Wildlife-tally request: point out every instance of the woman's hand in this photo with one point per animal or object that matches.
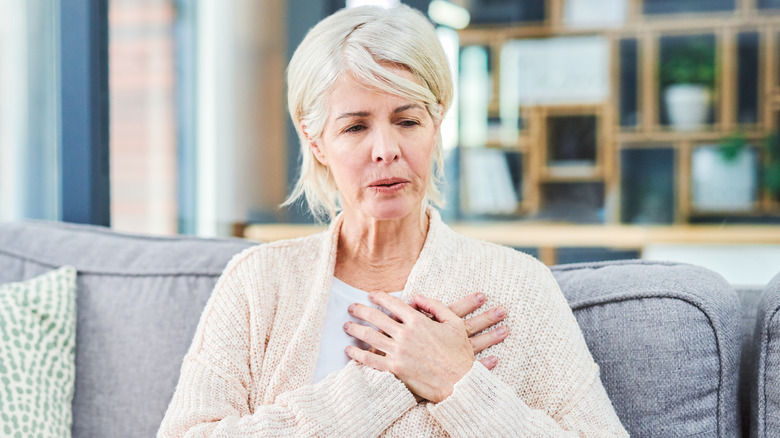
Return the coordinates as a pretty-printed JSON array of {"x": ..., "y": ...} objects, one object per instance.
[
  {"x": 428, "y": 355},
  {"x": 476, "y": 324}
]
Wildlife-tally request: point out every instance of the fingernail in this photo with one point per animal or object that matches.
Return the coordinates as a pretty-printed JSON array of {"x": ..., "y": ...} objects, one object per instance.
[
  {"x": 499, "y": 313},
  {"x": 480, "y": 298},
  {"x": 346, "y": 326},
  {"x": 351, "y": 308},
  {"x": 493, "y": 360},
  {"x": 501, "y": 331}
]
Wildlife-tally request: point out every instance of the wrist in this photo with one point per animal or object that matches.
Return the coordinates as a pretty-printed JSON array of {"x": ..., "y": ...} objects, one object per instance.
[{"x": 447, "y": 388}]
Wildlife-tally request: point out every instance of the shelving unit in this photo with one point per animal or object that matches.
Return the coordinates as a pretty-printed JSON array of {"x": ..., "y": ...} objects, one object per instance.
[{"x": 629, "y": 165}]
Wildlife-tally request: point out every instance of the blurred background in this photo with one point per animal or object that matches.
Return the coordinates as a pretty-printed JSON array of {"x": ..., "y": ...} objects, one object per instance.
[{"x": 583, "y": 130}]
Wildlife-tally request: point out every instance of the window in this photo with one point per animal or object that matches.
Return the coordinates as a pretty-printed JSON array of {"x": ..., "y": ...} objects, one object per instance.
[{"x": 29, "y": 150}]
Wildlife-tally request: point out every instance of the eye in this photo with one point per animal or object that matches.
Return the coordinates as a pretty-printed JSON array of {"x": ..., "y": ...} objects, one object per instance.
[
  {"x": 354, "y": 128},
  {"x": 409, "y": 123}
]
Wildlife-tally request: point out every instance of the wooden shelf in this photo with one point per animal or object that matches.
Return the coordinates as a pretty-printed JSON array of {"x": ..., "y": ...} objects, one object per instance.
[
  {"x": 549, "y": 237},
  {"x": 535, "y": 235},
  {"x": 650, "y": 32},
  {"x": 657, "y": 23}
]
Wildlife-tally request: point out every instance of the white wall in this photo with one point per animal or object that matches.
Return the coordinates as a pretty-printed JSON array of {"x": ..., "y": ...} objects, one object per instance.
[{"x": 738, "y": 264}]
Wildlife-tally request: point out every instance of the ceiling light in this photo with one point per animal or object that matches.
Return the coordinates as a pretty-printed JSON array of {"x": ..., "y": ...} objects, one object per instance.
[{"x": 448, "y": 14}]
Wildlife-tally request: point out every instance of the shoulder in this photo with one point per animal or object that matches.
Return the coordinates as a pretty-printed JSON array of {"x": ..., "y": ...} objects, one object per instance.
[
  {"x": 487, "y": 255},
  {"x": 508, "y": 277},
  {"x": 264, "y": 270}
]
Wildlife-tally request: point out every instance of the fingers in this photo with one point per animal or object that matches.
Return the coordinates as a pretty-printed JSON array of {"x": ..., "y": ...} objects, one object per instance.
[
  {"x": 468, "y": 304},
  {"x": 367, "y": 358},
  {"x": 484, "y": 320},
  {"x": 375, "y": 351},
  {"x": 435, "y": 307},
  {"x": 394, "y": 305},
  {"x": 368, "y": 335},
  {"x": 489, "y": 362},
  {"x": 374, "y": 316},
  {"x": 485, "y": 340}
]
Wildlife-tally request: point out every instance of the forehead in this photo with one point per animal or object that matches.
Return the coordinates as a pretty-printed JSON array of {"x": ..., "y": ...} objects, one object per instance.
[{"x": 349, "y": 93}]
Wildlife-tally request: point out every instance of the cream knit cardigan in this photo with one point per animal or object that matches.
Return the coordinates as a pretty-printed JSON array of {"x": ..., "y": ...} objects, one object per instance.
[{"x": 249, "y": 370}]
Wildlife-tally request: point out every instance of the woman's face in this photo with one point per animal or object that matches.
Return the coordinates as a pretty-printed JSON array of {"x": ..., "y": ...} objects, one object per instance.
[{"x": 378, "y": 147}]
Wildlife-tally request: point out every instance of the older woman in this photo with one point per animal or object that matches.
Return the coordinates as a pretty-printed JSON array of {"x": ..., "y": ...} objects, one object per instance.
[{"x": 368, "y": 88}]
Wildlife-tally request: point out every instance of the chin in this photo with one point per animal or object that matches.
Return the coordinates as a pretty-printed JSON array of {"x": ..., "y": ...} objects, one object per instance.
[{"x": 391, "y": 209}]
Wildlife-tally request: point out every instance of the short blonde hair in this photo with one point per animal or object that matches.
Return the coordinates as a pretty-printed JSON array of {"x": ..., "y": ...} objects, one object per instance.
[{"x": 359, "y": 41}]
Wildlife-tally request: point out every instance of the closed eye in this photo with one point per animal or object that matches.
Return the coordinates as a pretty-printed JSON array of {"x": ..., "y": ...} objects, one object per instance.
[
  {"x": 354, "y": 128},
  {"x": 409, "y": 123}
]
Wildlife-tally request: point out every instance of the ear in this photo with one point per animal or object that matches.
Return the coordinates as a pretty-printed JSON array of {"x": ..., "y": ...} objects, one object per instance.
[{"x": 315, "y": 147}]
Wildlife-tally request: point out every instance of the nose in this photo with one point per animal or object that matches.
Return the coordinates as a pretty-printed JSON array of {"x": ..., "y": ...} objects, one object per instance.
[{"x": 384, "y": 146}]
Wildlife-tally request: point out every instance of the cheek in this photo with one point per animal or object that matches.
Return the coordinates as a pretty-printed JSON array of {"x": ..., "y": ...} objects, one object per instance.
[
  {"x": 345, "y": 167},
  {"x": 422, "y": 158}
]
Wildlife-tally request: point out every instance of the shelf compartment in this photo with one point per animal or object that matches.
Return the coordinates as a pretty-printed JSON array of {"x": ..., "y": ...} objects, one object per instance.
[
  {"x": 507, "y": 11},
  {"x": 629, "y": 83},
  {"x": 572, "y": 140},
  {"x": 683, "y": 59},
  {"x": 722, "y": 186},
  {"x": 647, "y": 185},
  {"x": 581, "y": 203},
  {"x": 491, "y": 182},
  {"x": 747, "y": 78}
]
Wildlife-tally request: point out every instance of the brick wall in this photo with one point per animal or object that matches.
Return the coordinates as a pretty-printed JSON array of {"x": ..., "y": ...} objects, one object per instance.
[{"x": 143, "y": 122}]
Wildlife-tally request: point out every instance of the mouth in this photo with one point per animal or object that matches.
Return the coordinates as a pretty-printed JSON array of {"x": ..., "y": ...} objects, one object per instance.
[
  {"x": 388, "y": 186},
  {"x": 388, "y": 183}
]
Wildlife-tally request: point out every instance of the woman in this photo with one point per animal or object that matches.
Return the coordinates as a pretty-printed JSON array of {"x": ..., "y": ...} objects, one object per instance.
[{"x": 368, "y": 89}]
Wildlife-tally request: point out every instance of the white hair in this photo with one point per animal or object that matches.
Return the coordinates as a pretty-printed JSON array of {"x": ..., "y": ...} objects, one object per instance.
[{"x": 359, "y": 41}]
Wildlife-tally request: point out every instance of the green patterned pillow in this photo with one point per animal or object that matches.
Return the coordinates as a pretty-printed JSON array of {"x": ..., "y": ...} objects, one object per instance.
[{"x": 37, "y": 350}]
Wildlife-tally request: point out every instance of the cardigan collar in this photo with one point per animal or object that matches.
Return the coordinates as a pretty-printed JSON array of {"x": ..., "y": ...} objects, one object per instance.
[{"x": 436, "y": 230}]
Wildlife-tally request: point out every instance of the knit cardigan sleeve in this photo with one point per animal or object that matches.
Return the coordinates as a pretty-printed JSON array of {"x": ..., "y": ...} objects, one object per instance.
[
  {"x": 212, "y": 398},
  {"x": 560, "y": 378}
]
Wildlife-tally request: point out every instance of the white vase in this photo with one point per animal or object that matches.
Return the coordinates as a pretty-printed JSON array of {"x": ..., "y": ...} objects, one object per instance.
[
  {"x": 719, "y": 185},
  {"x": 687, "y": 106}
]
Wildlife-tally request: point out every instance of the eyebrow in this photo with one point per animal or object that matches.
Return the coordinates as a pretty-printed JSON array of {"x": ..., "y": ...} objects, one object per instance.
[{"x": 400, "y": 109}]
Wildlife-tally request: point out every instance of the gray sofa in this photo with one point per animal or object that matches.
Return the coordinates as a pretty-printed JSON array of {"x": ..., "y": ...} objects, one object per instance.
[{"x": 668, "y": 337}]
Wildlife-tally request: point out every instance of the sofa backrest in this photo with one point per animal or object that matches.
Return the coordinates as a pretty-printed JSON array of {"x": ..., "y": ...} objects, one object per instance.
[
  {"x": 666, "y": 336},
  {"x": 667, "y": 339},
  {"x": 139, "y": 301},
  {"x": 765, "y": 388}
]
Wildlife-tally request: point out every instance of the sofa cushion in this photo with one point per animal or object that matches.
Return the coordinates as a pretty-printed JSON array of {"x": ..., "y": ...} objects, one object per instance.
[
  {"x": 37, "y": 348},
  {"x": 667, "y": 339},
  {"x": 139, "y": 301},
  {"x": 765, "y": 393}
]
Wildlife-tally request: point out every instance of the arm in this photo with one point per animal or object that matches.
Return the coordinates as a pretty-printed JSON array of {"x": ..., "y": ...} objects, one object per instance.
[
  {"x": 356, "y": 401},
  {"x": 216, "y": 394},
  {"x": 483, "y": 404},
  {"x": 551, "y": 386}
]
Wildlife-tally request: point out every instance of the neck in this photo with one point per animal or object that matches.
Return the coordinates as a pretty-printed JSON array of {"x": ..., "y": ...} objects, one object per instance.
[{"x": 378, "y": 255}]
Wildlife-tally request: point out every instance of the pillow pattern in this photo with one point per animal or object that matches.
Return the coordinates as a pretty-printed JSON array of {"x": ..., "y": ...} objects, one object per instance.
[{"x": 37, "y": 351}]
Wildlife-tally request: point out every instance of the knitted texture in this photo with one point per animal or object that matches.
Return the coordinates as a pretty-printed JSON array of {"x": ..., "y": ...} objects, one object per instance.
[{"x": 251, "y": 364}]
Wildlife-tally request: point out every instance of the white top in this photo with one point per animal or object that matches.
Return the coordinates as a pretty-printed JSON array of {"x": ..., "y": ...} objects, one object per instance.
[{"x": 334, "y": 338}]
